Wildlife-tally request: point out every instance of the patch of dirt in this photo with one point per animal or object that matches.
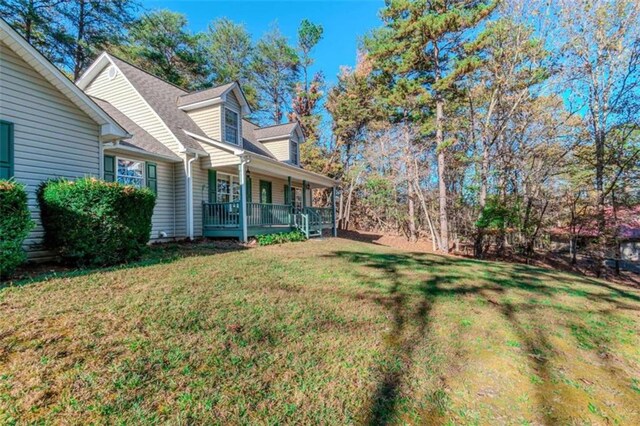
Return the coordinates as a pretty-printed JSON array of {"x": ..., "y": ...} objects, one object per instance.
[
  {"x": 388, "y": 240},
  {"x": 544, "y": 260}
]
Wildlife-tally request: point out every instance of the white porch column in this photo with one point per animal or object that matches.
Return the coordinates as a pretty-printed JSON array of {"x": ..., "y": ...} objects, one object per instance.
[
  {"x": 242, "y": 179},
  {"x": 333, "y": 211}
]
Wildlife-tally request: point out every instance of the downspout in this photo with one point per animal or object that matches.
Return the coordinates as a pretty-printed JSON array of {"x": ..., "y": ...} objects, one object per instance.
[{"x": 190, "y": 197}]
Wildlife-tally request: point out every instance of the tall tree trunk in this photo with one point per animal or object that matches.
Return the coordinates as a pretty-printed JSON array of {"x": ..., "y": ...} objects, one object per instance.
[
  {"x": 28, "y": 21},
  {"x": 78, "y": 56},
  {"x": 600, "y": 215},
  {"x": 435, "y": 241},
  {"x": 442, "y": 185},
  {"x": 484, "y": 171},
  {"x": 412, "y": 216}
]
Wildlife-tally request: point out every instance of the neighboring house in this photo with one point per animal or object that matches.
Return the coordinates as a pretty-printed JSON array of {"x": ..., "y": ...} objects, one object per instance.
[
  {"x": 214, "y": 173},
  {"x": 623, "y": 224},
  {"x": 48, "y": 127}
]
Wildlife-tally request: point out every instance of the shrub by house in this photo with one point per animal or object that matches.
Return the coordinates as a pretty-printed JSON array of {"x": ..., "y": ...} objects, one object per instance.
[
  {"x": 15, "y": 225},
  {"x": 92, "y": 222}
]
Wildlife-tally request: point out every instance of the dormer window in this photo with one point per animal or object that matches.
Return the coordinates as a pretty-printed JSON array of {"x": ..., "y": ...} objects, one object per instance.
[
  {"x": 231, "y": 128},
  {"x": 294, "y": 152}
]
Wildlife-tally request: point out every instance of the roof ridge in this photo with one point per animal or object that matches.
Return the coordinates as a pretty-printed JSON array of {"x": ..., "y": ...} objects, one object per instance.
[
  {"x": 146, "y": 72},
  {"x": 275, "y": 125},
  {"x": 204, "y": 90}
]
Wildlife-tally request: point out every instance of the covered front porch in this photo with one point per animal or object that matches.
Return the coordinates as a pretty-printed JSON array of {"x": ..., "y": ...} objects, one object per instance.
[{"x": 258, "y": 197}]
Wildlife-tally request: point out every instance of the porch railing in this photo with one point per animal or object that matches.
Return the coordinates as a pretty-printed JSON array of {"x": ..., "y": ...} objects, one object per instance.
[
  {"x": 324, "y": 216},
  {"x": 259, "y": 215},
  {"x": 225, "y": 215}
]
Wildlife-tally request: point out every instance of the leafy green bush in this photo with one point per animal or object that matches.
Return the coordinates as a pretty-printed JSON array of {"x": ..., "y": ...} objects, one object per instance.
[
  {"x": 92, "y": 222},
  {"x": 15, "y": 225},
  {"x": 283, "y": 237}
]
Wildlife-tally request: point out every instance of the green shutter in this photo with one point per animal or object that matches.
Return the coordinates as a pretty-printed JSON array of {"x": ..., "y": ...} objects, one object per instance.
[
  {"x": 152, "y": 177},
  {"x": 249, "y": 190},
  {"x": 287, "y": 195},
  {"x": 109, "y": 173},
  {"x": 213, "y": 184},
  {"x": 6, "y": 150}
]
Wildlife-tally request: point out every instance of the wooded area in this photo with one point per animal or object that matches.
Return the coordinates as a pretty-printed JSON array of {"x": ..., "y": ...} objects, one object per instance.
[{"x": 478, "y": 124}]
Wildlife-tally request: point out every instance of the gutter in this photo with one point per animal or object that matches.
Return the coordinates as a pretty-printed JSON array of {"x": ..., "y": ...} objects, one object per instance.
[
  {"x": 190, "y": 226},
  {"x": 134, "y": 151}
]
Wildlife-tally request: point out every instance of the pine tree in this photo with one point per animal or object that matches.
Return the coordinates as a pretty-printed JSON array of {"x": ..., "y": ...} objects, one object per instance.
[
  {"x": 228, "y": 48},
  {"x": 92, "y": 25},
  {"x": 415, "y": 50},
  {"x": 160, "y": 43},
  {"x": 275, "y": 66}
]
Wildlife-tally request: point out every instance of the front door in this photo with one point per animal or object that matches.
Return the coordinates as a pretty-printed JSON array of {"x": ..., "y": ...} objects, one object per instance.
[
  {"x": 265, "y": 192},
  {"x": 265, "y": 198}
]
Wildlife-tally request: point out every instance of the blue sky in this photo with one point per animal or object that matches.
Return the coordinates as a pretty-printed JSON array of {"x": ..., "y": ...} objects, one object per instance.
[{"x": 343, "y": 21}]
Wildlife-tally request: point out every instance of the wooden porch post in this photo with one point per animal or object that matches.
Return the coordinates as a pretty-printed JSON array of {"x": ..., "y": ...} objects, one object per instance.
[
  {"x": 333, "y": 211},
  {"x": 304, "y": 194},
  {"x": 242, "y": 178},
  {"x": 291, "y": 200}
]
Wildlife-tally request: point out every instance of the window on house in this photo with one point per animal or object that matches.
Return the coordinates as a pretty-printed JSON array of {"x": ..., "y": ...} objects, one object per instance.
[
  {"x": 231, "y": 126},
  {"x": 130, "y": 172},
  {"x": 228, "y": 188},
  {"x": 294, "y": 152}
]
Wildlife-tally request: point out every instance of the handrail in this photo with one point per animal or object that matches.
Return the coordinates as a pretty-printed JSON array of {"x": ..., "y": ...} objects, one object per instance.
[{"x": 325, "y": 214}]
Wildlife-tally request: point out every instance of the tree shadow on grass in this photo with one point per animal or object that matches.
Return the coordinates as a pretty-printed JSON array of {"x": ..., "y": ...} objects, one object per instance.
[{"x": 444, "y": 281}]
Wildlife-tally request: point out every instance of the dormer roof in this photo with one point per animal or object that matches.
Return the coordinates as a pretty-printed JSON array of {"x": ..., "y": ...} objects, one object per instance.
[
  {"x": 278, "y": 131},
  {"x": 213, "y": 96}
]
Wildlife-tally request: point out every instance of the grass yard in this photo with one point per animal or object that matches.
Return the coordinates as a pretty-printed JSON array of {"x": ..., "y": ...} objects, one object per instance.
[{"x": 329, "y": 332}]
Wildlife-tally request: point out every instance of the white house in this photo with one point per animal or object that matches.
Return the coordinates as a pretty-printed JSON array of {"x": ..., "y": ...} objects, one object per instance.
[{"x": 215, "y": 173}]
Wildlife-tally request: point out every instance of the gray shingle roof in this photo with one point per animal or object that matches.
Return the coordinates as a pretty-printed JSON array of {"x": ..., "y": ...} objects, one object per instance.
[
  {"x": 162, "y": 97},
  {"x": 203, "y": 95},
  {"x": 250, "y": 142},
  {"x": 140, "y": 138},
  {"x": 283, "y": 130}
]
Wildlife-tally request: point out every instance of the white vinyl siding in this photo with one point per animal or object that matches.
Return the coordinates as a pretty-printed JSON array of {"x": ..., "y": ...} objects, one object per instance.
[
  {"x": 164, "y": 211},
  {"x": 280, "y": 148},
  {"x": 52, "y": 136},
  {"x": 122, "y": 95},
  {"x": 209, "y": 119},
  {"x": 232, "y": 101}
]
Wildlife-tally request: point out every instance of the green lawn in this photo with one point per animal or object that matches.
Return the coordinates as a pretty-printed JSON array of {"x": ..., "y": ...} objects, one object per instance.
[{"x": 328, "y": 332}]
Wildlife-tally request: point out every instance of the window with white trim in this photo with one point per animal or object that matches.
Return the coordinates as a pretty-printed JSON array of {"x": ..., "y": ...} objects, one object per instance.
[
  {"x": 130, "y": 172},
  {"x": 227, "y": 189},
  {"x": 231, "y": 133},
  {"x": 294, "y": 152}
]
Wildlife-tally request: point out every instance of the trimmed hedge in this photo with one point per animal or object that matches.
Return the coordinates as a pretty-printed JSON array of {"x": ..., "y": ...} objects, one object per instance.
[
  {"x": 15, "y": 225},
  {"x": 92, "y": 222}
]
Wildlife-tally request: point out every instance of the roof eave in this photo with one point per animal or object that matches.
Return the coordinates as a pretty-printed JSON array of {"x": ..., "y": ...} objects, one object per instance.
[
  {"x": 59, "y": 80},
  {"x": 295, "y": 171}
]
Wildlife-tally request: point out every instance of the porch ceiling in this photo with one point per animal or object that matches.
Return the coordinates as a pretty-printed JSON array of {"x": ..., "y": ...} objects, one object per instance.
[{"x": 284, "y": 171}]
